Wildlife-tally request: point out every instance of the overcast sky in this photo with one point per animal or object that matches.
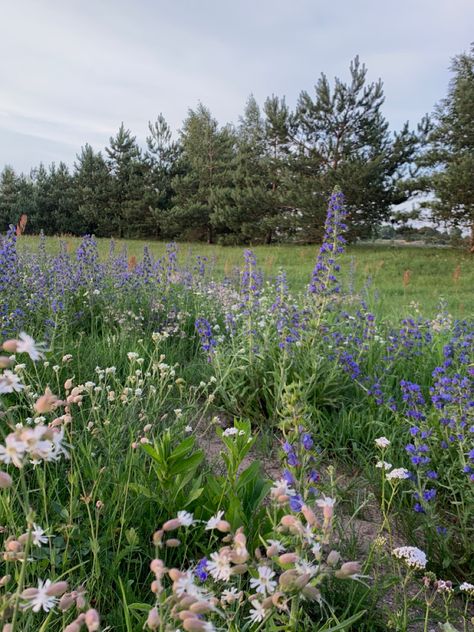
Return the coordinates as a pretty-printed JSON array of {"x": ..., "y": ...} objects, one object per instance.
[{"x": 72, "y": 70}]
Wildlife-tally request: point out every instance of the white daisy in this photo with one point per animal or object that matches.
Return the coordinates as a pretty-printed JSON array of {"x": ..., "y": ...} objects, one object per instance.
[
  {"x": 257, "y": 613},
  {"x": 10, "y": 383},
  {"x": 26, "y": 344},
  {"x": 186, "y": 519},
  {"x": 264, "y": 582},
  {"x": 214, "y": 521},
  {"x": 38, "y": 537},
  {"x": 219, "y": 566},
  {"x": 38, "y": 598}
]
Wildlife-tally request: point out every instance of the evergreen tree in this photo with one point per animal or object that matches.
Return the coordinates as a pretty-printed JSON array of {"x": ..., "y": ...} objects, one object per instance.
[
  {"x": 450, "y": 152},
  {"x": 206, "y": 167},
  {"x": 341, "y": 138},
  {"x": 161, "y": 160},
  {"x": 63, "y": 207},
  {"x": 9, "y": 191},
  {"x": 127, "y": 202},
  {"x": 93, "y": 191}
]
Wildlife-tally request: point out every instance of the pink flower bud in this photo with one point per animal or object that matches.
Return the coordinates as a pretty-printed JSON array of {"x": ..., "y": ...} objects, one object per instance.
[
  {"x": 288, "y": 558},
  {"x": 4, "y": 364},
  {"x": 57, "y": 589},
  {"x": 171, "y": 525},
  {"x": 223, "y": 526},
  {"x": 333, "y": 558},
  {"x": 153, "y": 621},
  {"x": 66, "y": 601},
  {"x": 309, "y": 516},
  {"x": 5, "y": 480},
  {"x": 347, "y": 570},
  {"x": 92, "y": 620},
  {"x": 10, "y": 346},
  {"x": 173, "y": 543}
]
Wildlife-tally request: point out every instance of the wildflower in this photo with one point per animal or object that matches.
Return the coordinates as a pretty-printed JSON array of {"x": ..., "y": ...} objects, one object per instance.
[
  {"x": 12, "y": 451},
  {"x": 38, "y": 537},
  {"x": 5, "y": 480},
  {"x": 46, "y": 403},
  {"x": 467, "y": 588},
  {"x": 219, "y": 566},
  {"x": 201, "y": 570},
  {"x": 349, "y": 570},
  {"x": 39, "y": 598},
  {"x": 229, "y": 595},
  {"x": 383, "y": 465},
  {"x": 228, "y": 432},
  {"x": 10, "y": 383},
  {"x": 186, "y": 519},
  {"x": 264, "y": 582},
  {"x": 92, "y": 620},
  {"x": 398, "y": 473},
  {"x": 214, "y": 521},
  {"x": 258, "y": 612},
  {"x": 26, "y": 344},
  {"x": 382, "y": 442},
  {"x": 412, "y": 556}
]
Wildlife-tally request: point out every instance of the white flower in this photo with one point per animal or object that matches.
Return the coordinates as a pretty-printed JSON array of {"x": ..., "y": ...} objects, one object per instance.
[
  {"x": 38, "y": 598},
  {"x": 326, "y": 502},
  {"x": 412, "y": 556},
  {"x": 26, "y": 344},
  {"x": 398, "y": 473},
  {"x": 382, "y": 442},
  {"x": 38, "y": 537},
  {"x": 257, "y": 613},
  {"x": 279, "y": 546},
  {"x": 229, "y": 595},
  {"x": 317, "y": 551},
  {"x": 383, "y": 465},
  {"x": 10, "y": 383},
  {"x": 228, "y": 432},
  {"x": 263, "y": 583},
  {"x": 186, "y": 519},
  {"x": 12, "y": 451},
  {"x": 188, "y": 429},
  {"x": 468, "y": 588},
  {"x": 306, "y": 568},
  {"x": 219, "y": 566},
  {"x": 214, "y": 521},
  {"x": 132, "y": 355},
  {"x": 281, "y": 488}
]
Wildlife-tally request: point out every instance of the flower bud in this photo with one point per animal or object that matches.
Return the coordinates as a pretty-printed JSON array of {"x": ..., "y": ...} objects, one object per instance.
[
  {"x": 171, "y": 525},
  {"x": 5, "y": 480},
  {"x": 4, "y": 580},
  {"x": 309, "y": 515},
  {"x": 311, "y": 593},
  {"x": 66, "y": 601},
  {"x": 223, "y": 526},
  {"x": 175, "y": 574},
  {"x": 153, "y": 621},
  {"x": 10, "y": 346},
  {"x": 239, "y": 569},
  {"x": 92, "y": 620},
  {"x": 57, "y": 589},
  {"x": 46, "y": 403},
  {"x": 200, "y": 607},
  {"x": 173, "y": 543},
  {"x": 333, "y": 558},
  {"x": 288, "y": 521},
  {"x": 194, "y": 625},
  {"x": 5, "y": 362},
  {"x": 272, "y": 550},
  {"x": 288, "y": 558},
  {"x": 347, "y": 570},
  {"x": 158, "y": 537},
  {"x": 68, "y": 384},
  {"x": 186, "y": 614}
]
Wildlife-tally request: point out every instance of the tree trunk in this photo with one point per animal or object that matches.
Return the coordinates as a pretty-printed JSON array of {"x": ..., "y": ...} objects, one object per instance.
[
  {"x": 471, "y": 242},
  {"x": 210, "y": 235},
  {"x": 268, "y": 237}
]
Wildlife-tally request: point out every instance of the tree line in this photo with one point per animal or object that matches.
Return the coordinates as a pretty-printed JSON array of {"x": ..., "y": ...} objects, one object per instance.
[{"x": 266, "y": 178}]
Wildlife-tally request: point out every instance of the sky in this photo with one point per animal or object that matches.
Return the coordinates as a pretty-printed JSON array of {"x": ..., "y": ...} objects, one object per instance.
[{"x": 72, "y": 70}]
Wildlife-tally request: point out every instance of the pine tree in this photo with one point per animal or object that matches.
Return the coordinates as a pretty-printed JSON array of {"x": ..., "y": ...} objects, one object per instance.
[
  {"x": 9, "y": 190},
  {"x": 206, "y": 167},
  {"x": 450, "y": 152},
  {"x": 341, "y": 138},
  {"x": 127, "y": 202},
  {"x": 93, "y": 191},
  {"x": 161, "y": 159}
]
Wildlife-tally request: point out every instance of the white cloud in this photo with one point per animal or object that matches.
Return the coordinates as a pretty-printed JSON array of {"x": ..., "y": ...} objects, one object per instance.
[{"x": 73, "y": 70}]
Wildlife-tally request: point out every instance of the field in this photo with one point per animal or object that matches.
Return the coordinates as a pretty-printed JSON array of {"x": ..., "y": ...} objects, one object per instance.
[
  {"x": 192, "y": 439},
  {"x": 434, "y": 273}
]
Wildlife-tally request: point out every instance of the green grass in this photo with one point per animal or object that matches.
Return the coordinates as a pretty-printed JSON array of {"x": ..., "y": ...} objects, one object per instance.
[{"x": 435, "y": 273}]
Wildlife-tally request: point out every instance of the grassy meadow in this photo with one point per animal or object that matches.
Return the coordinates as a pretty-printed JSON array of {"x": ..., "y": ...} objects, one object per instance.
[
  {"x": 192, "y": 439},
  {"x": 380, "y": 271}
]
